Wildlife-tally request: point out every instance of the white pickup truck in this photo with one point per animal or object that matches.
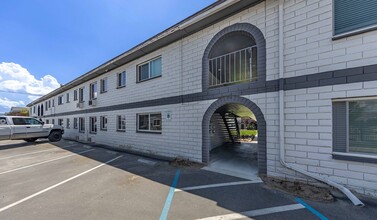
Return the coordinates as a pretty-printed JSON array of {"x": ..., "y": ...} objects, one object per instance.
[{"x": 28, "y": 129}]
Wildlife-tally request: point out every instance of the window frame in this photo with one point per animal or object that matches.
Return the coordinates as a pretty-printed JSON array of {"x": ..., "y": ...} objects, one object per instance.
[
  {"x": 82, "y": 124},
  {"x": 138, "y": 80},
  {"x": 348, "y": 33},
  {"x": 102, "y": 87},
  {"x": 75, "y": 96},
  {"x": 93, "y": 125},
  {"x": 103, "y": 118},
  {"x": 68, "y": 123},
  {"x": 60, "y": 100},
  {"x": 118, "y": 123},
  {"x": 149, "y": 129},
  {"x": 93, "y": 94},
  {"x": 75, "y": 123},
  {"x": 61, "y": 122},
  {"x": 368, "y": 157},
  {"x": 81, "y": 94},
  {"x": 118, "y": 79}
]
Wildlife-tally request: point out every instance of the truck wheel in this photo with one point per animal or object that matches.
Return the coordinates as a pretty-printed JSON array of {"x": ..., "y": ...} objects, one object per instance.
[
  {"x": 30, "y": 140},
  {"x": 55, "y": 136}
]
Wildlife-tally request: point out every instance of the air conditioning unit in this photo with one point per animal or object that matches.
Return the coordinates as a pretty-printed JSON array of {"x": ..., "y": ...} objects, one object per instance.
[
  {"x": 80, "y": 105},
  {"x": 93, "y": 102}
]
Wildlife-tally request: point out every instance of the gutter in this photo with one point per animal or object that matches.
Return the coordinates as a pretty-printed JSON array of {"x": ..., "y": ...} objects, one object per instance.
[{"x": 323, "y": 179}]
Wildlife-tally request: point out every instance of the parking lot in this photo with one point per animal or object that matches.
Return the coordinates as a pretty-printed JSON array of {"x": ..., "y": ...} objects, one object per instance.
[{"x": 70, "y": 180}]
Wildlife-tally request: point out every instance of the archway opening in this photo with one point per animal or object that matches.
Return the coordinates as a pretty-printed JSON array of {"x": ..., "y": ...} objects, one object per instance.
[{"x": 234, "y": 138}]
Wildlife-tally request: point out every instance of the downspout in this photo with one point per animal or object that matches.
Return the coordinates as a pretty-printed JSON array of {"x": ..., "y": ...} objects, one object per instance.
[{"x": 343, "y": 189}]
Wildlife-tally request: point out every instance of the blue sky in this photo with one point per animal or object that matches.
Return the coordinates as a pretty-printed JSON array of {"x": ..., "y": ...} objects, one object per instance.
[{"x": 46, "y": 43}]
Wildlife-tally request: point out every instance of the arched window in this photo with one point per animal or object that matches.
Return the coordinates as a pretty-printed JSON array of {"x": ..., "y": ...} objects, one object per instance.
[
  {"x": 236, "y": 54},
  {"x": 233, "y": 59}
]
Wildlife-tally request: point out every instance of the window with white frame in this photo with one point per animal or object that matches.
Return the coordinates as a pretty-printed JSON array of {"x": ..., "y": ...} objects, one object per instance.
[
  {"x": 82, "y": 124},
  {"x": 75, "y": 123},
  {"x": 34, "y": 109},
  {"x": 93, "y": 91},
  {"x": 68, "y": 123},
  {"x": 60, "y": 122},
  {"x": 103, "y": 123},
  {"x": 355, "y": 126},
  {"x": 47, "y": 121},
  {"x": 49, "y": 103},
  {"x": 60, "y": 100},
  {"x": 149, "y": 122},
  {"x": 75, "y": 95},
  {"x": 354, "y": 16},
  {"x": 81, "y": 94},
  {"x": 93, "y": 125},
  {"x": 53, "y": 121},
  {"x": 103, "y": 85},
  {"x": 121, "y": 79},
  {"x": 67, "y": 96},
  {"x": 53, "y": 102},
  {"x": 121, "y": 123},
  {"x": 46, "y": 105},
  {"x": 149, "y": 69}
]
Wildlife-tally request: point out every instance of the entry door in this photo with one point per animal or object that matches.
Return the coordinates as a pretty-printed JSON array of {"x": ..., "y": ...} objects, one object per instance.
[{"x": 35, "y": 128}]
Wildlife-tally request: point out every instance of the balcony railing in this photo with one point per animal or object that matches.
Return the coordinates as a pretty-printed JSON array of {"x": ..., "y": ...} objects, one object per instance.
[{"x": 235, "y": 67}]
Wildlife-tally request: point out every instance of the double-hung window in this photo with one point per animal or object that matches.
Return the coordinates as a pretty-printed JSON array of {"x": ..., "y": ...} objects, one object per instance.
[
  {"x": 149, "y": 69},
  {"x": 53, "y": 121},
  {"x": 93, "y": 91},
  {"x": 53, "y": 102},
  {"x": 93, "y": 125},
  {"x": 82, "y": 124},
  {"x": 103, "y": 123},
  {"x": 60, "y": 100},
  {"x": 81, "y": 94},
  {"x": 75, "y": 95},
  {"x": 104, "y": 85},
  {"x": 121, "y": 123},
  {"x": 354, "y": 16},
  {"x": 355, "y": 126},
  {"x": 150, "y": 122},
  {"x": 60, "y": 122},
  {"x": 121, "y": 79},
  {"x": 46, "y": 105},
  {"x": 68, "y": 123},
  {"x": 75, "y": 123}
]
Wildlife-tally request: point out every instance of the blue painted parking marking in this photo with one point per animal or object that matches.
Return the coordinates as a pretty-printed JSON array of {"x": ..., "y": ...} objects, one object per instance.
[
  {"x": 311, "y": 209},
  {"x": 165, "y": 210}
]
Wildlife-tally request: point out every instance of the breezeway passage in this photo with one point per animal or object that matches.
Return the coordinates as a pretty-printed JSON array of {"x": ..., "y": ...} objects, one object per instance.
[{"x": 102, "y": 184}]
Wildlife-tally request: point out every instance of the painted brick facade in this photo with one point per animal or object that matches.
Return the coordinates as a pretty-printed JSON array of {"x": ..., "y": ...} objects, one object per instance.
[{"x": 317, "y": 69}]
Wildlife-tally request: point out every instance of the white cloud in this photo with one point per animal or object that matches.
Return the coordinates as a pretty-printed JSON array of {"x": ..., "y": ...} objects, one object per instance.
[
  {"x": 15, "y": 78},
  {"x": 33, "y": 97},
  {"x": 6, "y": 103}
]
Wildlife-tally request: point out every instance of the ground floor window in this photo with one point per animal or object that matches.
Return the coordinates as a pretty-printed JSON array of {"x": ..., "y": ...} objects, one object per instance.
[
  {"x": 355, "y": 126},
  {"x": 60, "y": 122},
  {"x": 103, "y": 123},
  {"x": 93, "y": 125},
  {"x": 75, "y": 123},
  {"x": 121, "y": 123},
  {"x": 68, "y": 123},
  {"x": 53, "y": 121},
  {"x": 47, "y": 121},
  {"x": 81, "y": 124},
  {"x": 149, "y": 122}
]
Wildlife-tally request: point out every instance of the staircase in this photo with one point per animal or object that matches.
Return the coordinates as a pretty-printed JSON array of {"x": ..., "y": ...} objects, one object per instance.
[{"x": 233, "y": 130}]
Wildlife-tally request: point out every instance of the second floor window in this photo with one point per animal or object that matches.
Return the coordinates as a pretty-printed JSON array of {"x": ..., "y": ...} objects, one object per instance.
[
  {"x": 149, "y": 69},
  {"x": 93, "y": 91},
  {"x": 67, "y": 97},
  {"x": 103, "y": 85},
  {"x": 75, "y": 95},
  {"x": 60, "y": 100},
  {"x": 53, "y": 103},
  {"x": 121, "y": 79},
  {"x": 81, "y": 94}
]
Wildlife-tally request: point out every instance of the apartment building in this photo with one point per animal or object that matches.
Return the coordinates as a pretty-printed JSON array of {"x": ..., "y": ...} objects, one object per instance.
[{"x": 306, "y": 69}]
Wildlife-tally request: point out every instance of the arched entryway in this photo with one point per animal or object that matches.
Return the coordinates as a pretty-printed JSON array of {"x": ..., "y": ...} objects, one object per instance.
[{"x": 222, "y": 105}]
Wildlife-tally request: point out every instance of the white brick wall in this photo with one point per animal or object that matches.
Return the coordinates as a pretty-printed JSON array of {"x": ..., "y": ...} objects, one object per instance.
[{"x": 308, "y": 49}]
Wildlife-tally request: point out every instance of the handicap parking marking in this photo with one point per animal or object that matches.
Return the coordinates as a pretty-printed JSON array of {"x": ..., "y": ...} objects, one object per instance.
[
  {"x": 217, "y": 185},
  {"x": 56, "y": 185},
  {"x": 169, "y": 198},
  {"x": 43, "y": 162},
  {"x": 257, "y": 212},
  {"x": 311, "y": 209}
]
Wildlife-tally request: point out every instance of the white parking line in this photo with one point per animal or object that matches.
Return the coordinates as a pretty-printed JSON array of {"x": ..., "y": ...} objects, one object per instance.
[
  {"x": 18, "y": 155},
  {"x": 256, "y": 212},
  {"x": 47, "y": 161},
  {"x": 217, "y": 185},
  {"x": 56, "y": 185}
]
